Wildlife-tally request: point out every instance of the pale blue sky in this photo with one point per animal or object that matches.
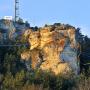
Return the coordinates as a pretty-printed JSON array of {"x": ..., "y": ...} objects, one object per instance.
[{"x": 40, "y": 12}]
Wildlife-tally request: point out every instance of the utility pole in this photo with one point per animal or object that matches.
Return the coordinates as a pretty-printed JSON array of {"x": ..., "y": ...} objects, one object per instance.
[{"x": 16, "y": 10}]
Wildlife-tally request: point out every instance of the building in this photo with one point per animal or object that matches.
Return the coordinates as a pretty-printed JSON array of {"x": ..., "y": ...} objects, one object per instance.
[{"x": 8, "y": 18}]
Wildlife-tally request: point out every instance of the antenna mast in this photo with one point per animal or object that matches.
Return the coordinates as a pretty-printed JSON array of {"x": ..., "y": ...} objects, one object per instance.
[{"x": 16, "y": 10}]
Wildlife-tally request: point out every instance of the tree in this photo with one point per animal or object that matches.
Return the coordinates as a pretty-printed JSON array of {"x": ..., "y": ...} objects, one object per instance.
[
  {"x": 20, "y": 21},
  {"x": 27, "y": 24}
]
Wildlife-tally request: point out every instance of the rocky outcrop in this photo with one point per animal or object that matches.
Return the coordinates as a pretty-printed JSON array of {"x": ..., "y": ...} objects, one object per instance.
[
  {"x": 9, "y": 30},
  {"x": 52, "y": 48}
]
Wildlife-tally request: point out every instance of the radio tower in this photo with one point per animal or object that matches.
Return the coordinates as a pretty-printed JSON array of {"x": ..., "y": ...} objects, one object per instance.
[{"x": 16, "y": 10}]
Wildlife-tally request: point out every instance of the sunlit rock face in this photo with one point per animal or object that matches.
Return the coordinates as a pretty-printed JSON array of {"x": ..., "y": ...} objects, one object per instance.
[
  {"x": 34, "y": 40},
  {"x": 57, "y": 49},
  {"x": 32, "y": 59}
]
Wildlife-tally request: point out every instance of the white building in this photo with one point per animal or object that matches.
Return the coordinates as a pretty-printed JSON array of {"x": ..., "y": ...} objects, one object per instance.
[{"x": 8, "y": 18}]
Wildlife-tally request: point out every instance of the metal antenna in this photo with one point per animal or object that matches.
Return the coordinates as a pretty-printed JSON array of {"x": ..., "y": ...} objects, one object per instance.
[{"x": 16, "y": 10}]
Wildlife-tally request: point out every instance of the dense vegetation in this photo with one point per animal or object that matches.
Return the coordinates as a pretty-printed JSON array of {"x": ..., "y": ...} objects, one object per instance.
[{"x": 14, "y": 75}]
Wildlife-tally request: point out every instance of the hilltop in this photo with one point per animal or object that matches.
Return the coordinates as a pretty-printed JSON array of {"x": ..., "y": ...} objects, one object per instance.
[
  {"x": 9, "y": 29},
  {"x": 49, "y": 57},
  {"x": 55, "y": 36}
]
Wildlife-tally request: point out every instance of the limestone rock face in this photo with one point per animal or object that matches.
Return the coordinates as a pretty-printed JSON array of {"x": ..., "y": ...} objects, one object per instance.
[
  {"x": 10, "y": 30},
  {"x": 54, "y": 49},
  {"x": 32, "y": 58}
]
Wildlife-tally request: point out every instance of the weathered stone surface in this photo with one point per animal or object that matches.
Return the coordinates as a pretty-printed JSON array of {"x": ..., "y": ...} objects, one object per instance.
[
  {"x": 9, "y": 30},
  {"x": 56, "y": 48}
]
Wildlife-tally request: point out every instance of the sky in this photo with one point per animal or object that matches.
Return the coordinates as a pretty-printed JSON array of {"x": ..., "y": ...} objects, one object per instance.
[{"x": 41, "y": 12}]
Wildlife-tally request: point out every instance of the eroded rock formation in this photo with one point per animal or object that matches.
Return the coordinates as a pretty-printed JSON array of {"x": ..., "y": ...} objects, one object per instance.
[
  {"x": 10, "y": 30},
  {"x": 52, "y": 48}
]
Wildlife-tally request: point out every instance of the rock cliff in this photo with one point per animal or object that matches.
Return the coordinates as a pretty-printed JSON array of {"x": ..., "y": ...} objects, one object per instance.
[
  {"x": 9, "y": 30},
  {"x": 53, "y": 48}
]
